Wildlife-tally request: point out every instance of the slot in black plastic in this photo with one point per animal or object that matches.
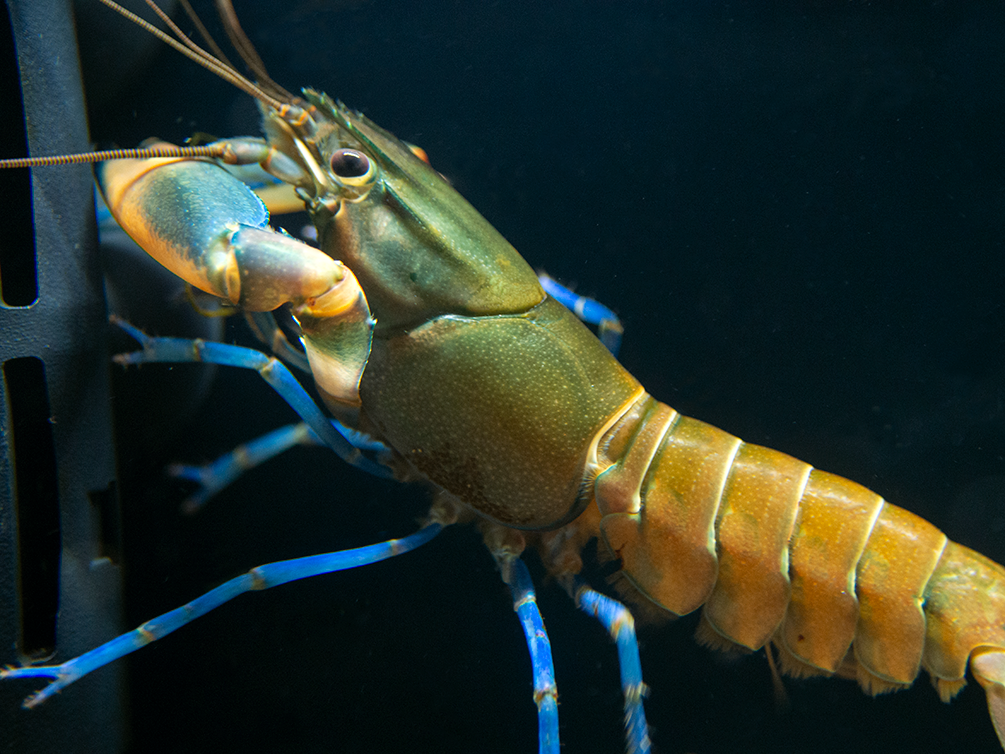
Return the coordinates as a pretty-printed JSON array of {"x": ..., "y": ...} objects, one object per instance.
[
  {"x": 37, "y": 503},
  {"x": 18, "y": 269}
]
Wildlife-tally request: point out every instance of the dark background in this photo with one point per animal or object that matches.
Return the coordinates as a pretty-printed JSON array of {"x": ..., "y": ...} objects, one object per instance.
[{"x": 798, "y": 209}]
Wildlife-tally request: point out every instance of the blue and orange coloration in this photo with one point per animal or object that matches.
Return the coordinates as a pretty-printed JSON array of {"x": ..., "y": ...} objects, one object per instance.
[{"x": 498, "y": 396}]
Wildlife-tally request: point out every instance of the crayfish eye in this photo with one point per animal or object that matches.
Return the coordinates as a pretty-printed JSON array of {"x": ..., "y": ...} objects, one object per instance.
[{"x": 352, "y": 166}]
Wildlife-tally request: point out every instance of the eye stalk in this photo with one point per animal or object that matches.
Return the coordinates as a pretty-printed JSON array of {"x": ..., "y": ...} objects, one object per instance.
[{"x": 352, "y": 167}]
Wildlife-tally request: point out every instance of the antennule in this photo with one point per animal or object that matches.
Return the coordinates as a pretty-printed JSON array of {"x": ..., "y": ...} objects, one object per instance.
[{"x": 189, "y": 49}]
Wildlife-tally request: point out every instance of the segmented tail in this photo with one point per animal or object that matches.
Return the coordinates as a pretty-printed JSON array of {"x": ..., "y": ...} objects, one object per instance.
[{"x": 839, "y": 580}]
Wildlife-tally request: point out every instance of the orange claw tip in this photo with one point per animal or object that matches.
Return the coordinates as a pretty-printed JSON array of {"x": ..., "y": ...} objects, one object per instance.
[{"x": 344, "y": 296}]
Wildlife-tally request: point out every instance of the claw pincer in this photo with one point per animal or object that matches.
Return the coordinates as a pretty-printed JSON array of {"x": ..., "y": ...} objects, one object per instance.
[{"x": 211, "y": 230}]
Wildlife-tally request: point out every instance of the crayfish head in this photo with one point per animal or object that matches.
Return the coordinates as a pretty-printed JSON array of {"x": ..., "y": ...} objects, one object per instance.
[{"x": 417, "y": 247}]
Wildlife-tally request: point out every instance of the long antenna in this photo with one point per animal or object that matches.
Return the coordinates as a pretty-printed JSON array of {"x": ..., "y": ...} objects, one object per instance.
[
  {"x": 209, "y": 150},
  {"x": 285, "y": 104}
]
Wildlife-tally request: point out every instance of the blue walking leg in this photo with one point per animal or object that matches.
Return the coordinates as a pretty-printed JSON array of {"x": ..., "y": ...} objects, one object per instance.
[
  {"x": 589, "y": 310},
  {"x": 216, "y": 475},
  {"x": 273, "y": 371},
  {"x": 262, "y": 577},
  {"x": 545, "y": 691},
  {"x": 621, "y": 626}
]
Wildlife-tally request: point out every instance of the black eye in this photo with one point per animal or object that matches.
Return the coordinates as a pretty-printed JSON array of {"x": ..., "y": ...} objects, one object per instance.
[{"x": 350, "y": 163}]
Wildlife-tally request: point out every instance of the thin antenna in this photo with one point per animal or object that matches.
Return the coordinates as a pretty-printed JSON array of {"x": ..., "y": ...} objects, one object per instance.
[
  {"x": 192, "y": 51},
  {"x": 219, "y": 58},
  {"x": 245, "y": 48},
  {"x": 204, "y": 32}
]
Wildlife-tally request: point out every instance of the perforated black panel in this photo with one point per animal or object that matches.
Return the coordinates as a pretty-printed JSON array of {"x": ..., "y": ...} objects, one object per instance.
[{"x": 59, "y": 585}]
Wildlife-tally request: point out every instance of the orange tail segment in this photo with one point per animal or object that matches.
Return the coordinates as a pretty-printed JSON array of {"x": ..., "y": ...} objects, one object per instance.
[{"x": 840, "y": 581}]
